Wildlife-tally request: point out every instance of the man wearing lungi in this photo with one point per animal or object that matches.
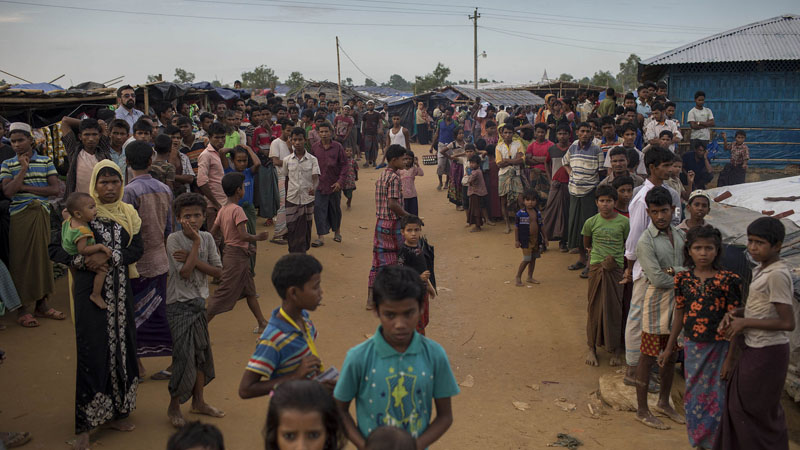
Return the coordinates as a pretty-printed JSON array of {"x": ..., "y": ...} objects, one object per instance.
[{"x": 332, "y": 176}]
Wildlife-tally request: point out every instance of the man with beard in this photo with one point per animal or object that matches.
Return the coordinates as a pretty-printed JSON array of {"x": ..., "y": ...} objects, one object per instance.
[{"x": 126, "y": 99}]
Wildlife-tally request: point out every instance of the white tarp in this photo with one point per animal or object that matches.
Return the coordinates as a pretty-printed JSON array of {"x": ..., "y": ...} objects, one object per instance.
[{"x": 751, "y": 196}]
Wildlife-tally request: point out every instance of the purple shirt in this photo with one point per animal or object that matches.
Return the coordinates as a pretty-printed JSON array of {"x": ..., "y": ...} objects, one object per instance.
[
  {"x": 153, "y": 200},
  {"x": 332, "y": 166}
]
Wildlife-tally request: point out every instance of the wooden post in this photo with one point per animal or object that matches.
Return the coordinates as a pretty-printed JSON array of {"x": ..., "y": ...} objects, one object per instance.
[
  {"x": 146, "y": 100},
  {"x": 339, "y": 74}
]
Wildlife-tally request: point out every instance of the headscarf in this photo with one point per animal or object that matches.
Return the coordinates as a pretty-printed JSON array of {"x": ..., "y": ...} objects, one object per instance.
[{"x": 122, "y": 213}]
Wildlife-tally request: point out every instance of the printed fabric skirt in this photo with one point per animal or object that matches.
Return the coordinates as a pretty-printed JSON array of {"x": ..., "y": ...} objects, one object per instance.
[
  {"x": 236, "y": 283},
  {"x": 150, "y": 309},
  {"x": 704, "y": 399},
  {"x": 385, "y": 244},
  {"x": 455, "y": 193}
]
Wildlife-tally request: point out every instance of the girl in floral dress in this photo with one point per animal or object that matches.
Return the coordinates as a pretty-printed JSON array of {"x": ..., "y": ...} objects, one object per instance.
[
  {"x": 352, "y": 176},
  {"x": 703, "y": 295}
]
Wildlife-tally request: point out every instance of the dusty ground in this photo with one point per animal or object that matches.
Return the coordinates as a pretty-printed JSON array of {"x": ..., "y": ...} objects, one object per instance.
[{"x": 504, "y": 336}]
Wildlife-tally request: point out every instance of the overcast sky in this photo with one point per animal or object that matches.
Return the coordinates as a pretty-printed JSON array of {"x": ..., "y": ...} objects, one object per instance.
[{"x": 93, "y": 40}]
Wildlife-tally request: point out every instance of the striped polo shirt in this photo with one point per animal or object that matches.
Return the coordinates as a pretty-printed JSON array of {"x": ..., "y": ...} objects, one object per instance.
[
  {"x": 280, "y": 348},
  {"x": 586, "y": 164},
  {"x": 39, "y": 169}
]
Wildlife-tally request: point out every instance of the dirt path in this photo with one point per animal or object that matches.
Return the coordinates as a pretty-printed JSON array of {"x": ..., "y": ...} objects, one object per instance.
[{"x": 504, "y": 336}]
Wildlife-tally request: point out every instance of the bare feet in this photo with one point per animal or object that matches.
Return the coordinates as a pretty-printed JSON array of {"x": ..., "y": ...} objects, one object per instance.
[
  {"x": 591, "y": 359},
  {"x": 97, "y": 299},
  {"x": 532, "y": 281},
  {"x": 508, "y": 230},
  {"x": 121, "y": 425},
  {"x": 670, "y": 412},
  {"x": 519, "y": 282},
  {"x": 491, "y": 223},
  {"x": 651, "y": 421},
  {"x": 81, "y": 442},
  {"x": 475, "y": 230},
  {"x": 176, "y": 418},
  {"x": 206, "y": 409},
  {"x": 616, "y": 360}
]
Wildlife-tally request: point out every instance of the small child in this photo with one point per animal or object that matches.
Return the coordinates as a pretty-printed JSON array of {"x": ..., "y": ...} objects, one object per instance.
[
  {"x": 352, "y": 176},
  {"x": 753, "y": 416},
  {"x": 527, "y": 235},
  {"x": 660, "y": 253},
  {"x": 77, "y": 238},
  {"x": 735, "y": 172},
  {"x": 674, "y": 180},
  {"x": 302, "y": 415},
  {"x": 697, "y": 208},
  {"x": 624, "y": 187},
  {"x": 417, "y": 254},
  {"x": 192, "y": 256},
  {"x": 604, "y": 236},
  {"x": 397, "y": 375},
  {"x": 246, "y": 162},
  {"x": 161, "y": 169},
  {"x": 197, "y": 435},
  {"x": 285, "y": 351},
  {"x": 407, "y": 177},
  {"x": 704, "y": 294},
  {"x": 476, "y": 192},
  {"x": 390, "y": 438},
  {"x": 237, "y": 280},
  {"x": 301, "y": 170}
]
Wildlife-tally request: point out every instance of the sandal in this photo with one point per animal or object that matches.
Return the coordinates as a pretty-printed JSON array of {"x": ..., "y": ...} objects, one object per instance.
[
  {"x": 584, "y": 273},
  {"x": 337, "y": 238},
  {"x": 14, "y": 439},
  {"x": 278, "y": 240},
  {"x": 577, "y": 266},
  {"x": 317, "y": 243},
  {"x": 27, "y": 321},
  {"x": 51, "y": 314},
  {"x": 161, "y": 375}
]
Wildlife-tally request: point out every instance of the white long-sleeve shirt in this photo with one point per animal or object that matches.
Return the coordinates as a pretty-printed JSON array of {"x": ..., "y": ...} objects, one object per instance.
[{"x": 639, "y": 221}]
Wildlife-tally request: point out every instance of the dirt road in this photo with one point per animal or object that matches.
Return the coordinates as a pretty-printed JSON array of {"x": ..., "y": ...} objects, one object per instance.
[{"x": 504, "y": 336}]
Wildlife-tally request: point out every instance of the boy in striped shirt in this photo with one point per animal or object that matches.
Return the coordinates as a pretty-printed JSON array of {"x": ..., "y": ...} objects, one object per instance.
[{"x": 286, "y": 350}]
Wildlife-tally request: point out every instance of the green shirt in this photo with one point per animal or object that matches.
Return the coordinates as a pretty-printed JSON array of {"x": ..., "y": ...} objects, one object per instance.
[
  {"x": 608, "y": 238},
  {"x": 392, "y": 388},
  {"x": 70, "y": 237}
]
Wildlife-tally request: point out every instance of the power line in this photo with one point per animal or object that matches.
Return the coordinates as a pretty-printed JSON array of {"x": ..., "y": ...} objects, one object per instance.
[
  {"x": 573, "y": 39},
  {"x": 333, "y": 7},
  {"x": 553, "y": 42},
  {"x": 235, "y": 19},
  {"x": 354, "y": 63},
  {"x": 622, "y": 27}
]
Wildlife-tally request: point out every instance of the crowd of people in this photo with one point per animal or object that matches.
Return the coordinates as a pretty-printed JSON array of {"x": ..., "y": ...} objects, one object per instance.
[{"x": 155, "y": 206}]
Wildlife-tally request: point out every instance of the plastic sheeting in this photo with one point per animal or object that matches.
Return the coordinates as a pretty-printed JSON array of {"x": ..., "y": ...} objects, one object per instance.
[
  {"x": 46, "y": 87},
  {"x": 751, "y": 196}
]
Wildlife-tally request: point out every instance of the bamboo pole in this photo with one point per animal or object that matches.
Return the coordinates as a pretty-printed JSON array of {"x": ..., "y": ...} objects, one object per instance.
[
  {"x": 19, "y": 78},
  {"x": 339, "y": 74},
  {"x": 56, "y": 79}
]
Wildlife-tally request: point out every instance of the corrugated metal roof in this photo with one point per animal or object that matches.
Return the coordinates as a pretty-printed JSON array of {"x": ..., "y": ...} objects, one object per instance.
[
  {"x": 777, "y": 38},
  {"x": 499, "y": 97}
]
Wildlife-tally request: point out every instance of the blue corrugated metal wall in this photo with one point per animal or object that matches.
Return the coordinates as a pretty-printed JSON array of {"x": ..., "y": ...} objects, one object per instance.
[{"x": 766, "y": 101}]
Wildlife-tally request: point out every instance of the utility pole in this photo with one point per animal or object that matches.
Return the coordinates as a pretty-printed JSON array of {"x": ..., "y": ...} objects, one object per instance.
[
  {"x": 474, "y": 18},
  {"x": 339, "y": 73}
]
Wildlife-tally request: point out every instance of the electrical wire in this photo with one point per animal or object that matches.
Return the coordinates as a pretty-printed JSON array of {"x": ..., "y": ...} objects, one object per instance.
[
  {"x": 354, "y": 63},
  {"x": 494, "y": 30},
  {"x": 572, "y": 39},
  {"x": 333, "y": 7},
  {"x": 235, "y": 19}
]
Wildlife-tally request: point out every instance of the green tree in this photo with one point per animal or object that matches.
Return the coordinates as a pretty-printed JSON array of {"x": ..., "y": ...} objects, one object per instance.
[
  {"x": 369, "y": 82},
  {"x": 433, "y": 80},
  {"x": 604, "y": 78},
  {"x": 628, "y": 71},
  {"x": 182, "y": 76},
  {"x": 566, "y": 77},
  {"x": 585, "y": 80},
  {"x": 398, "y": 82},
  {"x": 216, "y": 83},
  {"x": 295, "y": 80},
  {"x": 153, "y": 78},
  {"x": 261, "y": 77},
  {"x": 348, "y": 81}
]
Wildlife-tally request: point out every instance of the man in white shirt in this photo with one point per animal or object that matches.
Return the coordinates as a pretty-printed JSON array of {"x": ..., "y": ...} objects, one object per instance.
[
  {"x": 701, "y": 120},
  {"x": 126, "y": 100},
  {"x": 301, "y": 171},
  {"x": 659, "y": 123},
  {"x": 278, "y": 151},
  {"x": 659, "y": 162}
]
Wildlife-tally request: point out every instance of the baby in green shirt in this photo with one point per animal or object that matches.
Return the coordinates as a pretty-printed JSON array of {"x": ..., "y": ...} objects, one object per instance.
[{"x": 77, "y": 238}]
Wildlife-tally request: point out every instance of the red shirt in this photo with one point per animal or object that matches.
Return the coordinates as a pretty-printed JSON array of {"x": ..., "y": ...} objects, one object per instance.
[{"x": 540, "y": 149}]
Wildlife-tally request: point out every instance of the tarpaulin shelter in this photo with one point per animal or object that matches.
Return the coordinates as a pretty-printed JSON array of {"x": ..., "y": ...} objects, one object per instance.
[
  {"x": 497, "y": 97},
  {"x": 42, "y": 104},
  {"x": 331, "y": 90},
  {"x": 406, "y": 108}
]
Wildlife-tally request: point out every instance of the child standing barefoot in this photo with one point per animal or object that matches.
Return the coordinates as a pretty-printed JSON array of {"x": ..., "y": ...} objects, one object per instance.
[
  {"x": 303, "y": 415},
  {"x": 753, "y": 417},
  {"x": 527, "y": 235},
  {"x": 407, "y": 177},
  {"x": 415, "y": 253},
  {"x": 476, "y": 192},
  {"x": 703, "y": 295},
  {"x": 77, "y": 238}
]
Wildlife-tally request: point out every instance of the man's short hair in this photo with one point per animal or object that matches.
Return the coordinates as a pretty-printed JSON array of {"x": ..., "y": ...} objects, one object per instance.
[
  {"x": 143, "y": 125},
  {"x": 395, "y": 151},
  {"x": 618, "y": 151},
  {"x": 397, "y": 283},
  {"x": 622, "y": 181},
  {"x": 605, "y": 190},
  {"x": 658, "y": 196},
  {"x": 231, "y": 183},
  {"x": 162, "y": 144},
  {"x": 768, "y": 228},
  {"x": 196, "y": 435},
  {"x": 119, "y": 123},
  {"x": 294, "y": 270},
  {"x": 89, "y": 124},
  {"x": 138, "y": 154},
  {"x": 121, "y": 89},
  {"x": 216, "y": 129},
  {"x": 188, "y": 199}
]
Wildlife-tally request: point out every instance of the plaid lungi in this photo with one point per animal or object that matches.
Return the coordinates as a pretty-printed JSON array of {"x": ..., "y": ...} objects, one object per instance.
[{"x": 385, "y": 244}]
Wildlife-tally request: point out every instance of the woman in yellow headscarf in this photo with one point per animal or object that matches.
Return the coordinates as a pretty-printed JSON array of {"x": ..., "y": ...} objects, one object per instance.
[{"x": 108, "y": 374}]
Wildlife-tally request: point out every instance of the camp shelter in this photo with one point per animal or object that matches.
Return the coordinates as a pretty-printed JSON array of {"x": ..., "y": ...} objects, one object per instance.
[
  {"x": 751, "y": 78},
  {"x": 406, "y": 108},
  {"x": 561, "y": 89},
  {"x": 497, "y": 97},
  {"x": 331, "y": 90},
  {"x": 42, "y": 104}
]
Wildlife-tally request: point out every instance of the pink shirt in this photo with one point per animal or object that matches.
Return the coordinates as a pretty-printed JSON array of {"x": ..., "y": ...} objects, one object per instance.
[
  {"x": 407, "y": 180},
  {"x": 537, "y": 149},
  {"x": 210, "y": 172},
  {"x": 228, "y": 219}
]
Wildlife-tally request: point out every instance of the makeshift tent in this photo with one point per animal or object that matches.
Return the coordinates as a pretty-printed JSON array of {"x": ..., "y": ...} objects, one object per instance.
[
  {"x": 42, "y": 104},
  {"x": 496, "y": 97},
  {"x": 406, "y": 108},
  {"x": 331, "y": 90}
]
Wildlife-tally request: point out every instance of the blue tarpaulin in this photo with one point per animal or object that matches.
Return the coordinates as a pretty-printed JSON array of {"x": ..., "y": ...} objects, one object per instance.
[{"x": 46, "y": 87}]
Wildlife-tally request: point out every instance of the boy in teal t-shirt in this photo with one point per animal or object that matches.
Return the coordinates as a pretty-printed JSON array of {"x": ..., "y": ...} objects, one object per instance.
[
  {"x": 397, "y": 375},
  {"x": 604, "y": 235}
]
